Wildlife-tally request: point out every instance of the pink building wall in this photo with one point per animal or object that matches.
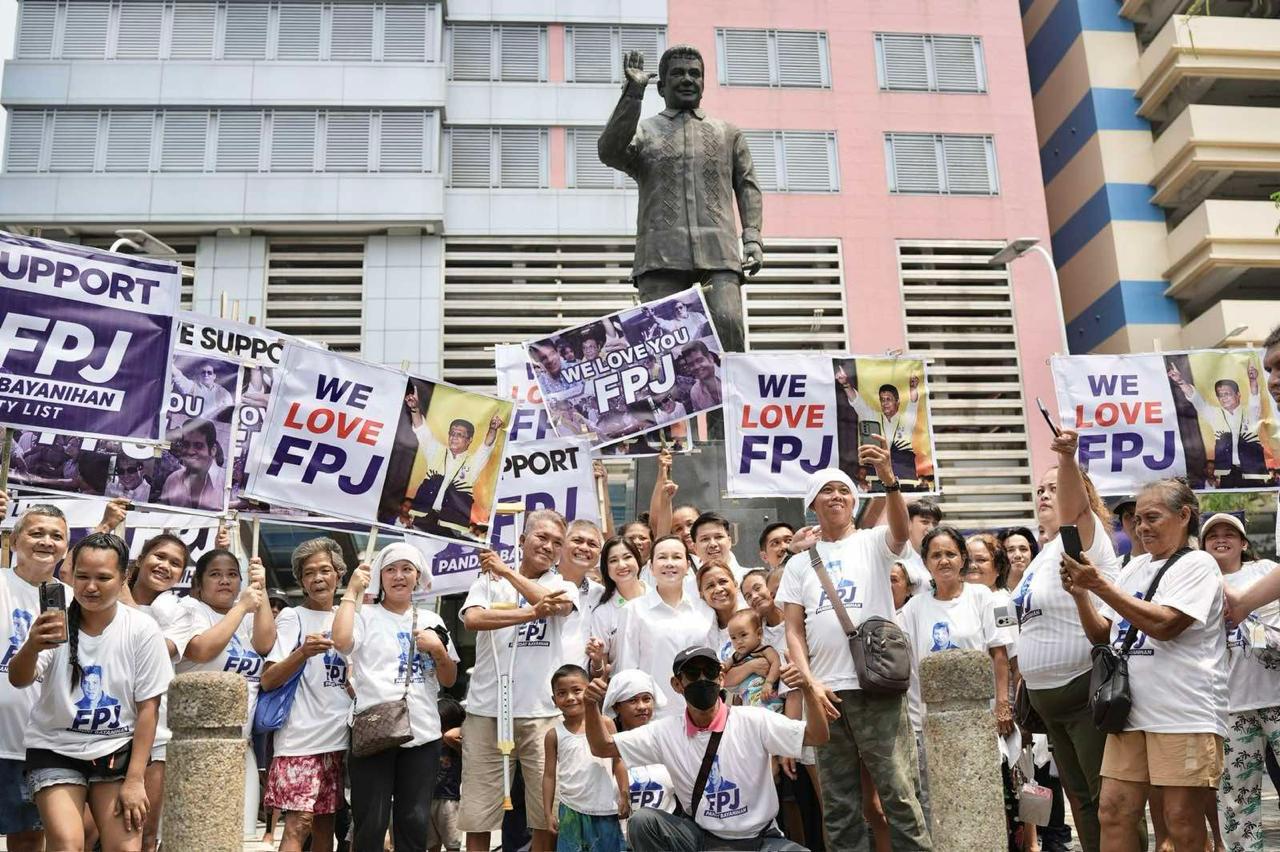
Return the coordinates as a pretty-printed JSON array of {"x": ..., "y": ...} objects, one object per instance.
[{"x": 864, "y": 215}]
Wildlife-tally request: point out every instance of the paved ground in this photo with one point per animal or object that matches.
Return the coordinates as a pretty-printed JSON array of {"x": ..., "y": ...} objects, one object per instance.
[{"x": 1270, "y": 807}]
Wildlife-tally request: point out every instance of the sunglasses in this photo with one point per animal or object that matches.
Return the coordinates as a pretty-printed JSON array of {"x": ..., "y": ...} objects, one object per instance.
[{"x": 700, "y": 670}]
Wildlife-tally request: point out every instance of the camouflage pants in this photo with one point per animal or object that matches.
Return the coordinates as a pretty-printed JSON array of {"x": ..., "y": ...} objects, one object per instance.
[
  {"x": 874, "y": 731},
  {"x": 1244, "y": 765}
]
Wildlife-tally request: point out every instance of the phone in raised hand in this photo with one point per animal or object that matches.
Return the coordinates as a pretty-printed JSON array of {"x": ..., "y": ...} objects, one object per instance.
[{"x": 1044, "y": 412}]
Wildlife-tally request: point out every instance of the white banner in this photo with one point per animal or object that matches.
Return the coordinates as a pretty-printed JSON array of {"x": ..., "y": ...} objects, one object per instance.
[
  {"x": 1204, "y": 415},
  {"x": 790, "y": 414},
  {"x": 370, "y": 444}
]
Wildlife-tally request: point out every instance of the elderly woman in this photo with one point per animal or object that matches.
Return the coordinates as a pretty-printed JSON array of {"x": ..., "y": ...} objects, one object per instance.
[
  {"x": 395, "y": 647},
  {"x": 1253, "y": 693},
  {"x": 1171, "y": 599},
  {"x": 1053, "y": 650},
  {"x": 232, "y": 630},
  {"x": 305, "y": 780},
  {"x": 630, "y": 703}
]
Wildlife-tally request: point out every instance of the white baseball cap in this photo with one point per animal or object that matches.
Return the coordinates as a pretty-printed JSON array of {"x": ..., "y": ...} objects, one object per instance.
[{"x": 1222, "y": 518}]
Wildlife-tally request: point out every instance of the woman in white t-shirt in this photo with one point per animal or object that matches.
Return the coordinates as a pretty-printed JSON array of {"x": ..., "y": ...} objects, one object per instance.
[
  {"x": 1253, "y": 692},
  {"x": 390, "y": 644},
  {"x": 663, "y": 622},
  {"x": 620, "y": 570},
  {"x": 630, "y": 703},
  {"x": 1053, "y": 651},
  {"x": 94, "y": 721},
  {"x": 1178, "y": 672},
  {"x": 158, "y": 567},
  {"x": 719, "y": 591},
  {"x": 232, "y": 630},
  {"x": 989, "y": 567},
  {"x": 305, "y": 780},
  {"x": 954, "y": 615}
]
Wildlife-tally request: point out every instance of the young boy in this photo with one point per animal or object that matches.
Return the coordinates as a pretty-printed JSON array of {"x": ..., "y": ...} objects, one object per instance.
[
  {"x": 442, "y": 831},
  {"x": 595, "y": 794}
]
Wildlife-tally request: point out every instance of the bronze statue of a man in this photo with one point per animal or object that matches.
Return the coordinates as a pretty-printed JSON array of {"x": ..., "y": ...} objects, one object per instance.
[{"x": 691, "y": 168}]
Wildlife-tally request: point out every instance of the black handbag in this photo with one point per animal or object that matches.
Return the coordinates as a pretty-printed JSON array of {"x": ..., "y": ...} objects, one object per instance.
[
  {"x": 1110, "y": 697},
  {"x": 880, "y": 650},
  {"x": 1025, "y": 714}
]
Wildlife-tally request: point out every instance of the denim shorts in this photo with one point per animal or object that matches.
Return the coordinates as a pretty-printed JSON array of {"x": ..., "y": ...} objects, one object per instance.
[
  {"x": 17, "y": 813},
  {"x": 49, "y": 769}
]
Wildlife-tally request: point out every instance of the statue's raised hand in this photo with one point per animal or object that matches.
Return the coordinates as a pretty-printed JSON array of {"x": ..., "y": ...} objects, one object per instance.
[{"x": 633, "y": 68}]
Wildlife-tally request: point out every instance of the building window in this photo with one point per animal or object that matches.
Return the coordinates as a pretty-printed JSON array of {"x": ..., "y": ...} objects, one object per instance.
[
  {"x": 512, "y": 53},
  {"x": 594, "y": 54},
  {"x": 584, "y": 169},
  {"x": 794, "y": 160},
  {"x": 225, "y": 140},
  {"x": 930, "y": 63},
  {"x": 941, "y": 164},
  {"x": 497, "y": 157},
  {"x": 773, "y": 58},
  {"x": 261, "y": 30}
]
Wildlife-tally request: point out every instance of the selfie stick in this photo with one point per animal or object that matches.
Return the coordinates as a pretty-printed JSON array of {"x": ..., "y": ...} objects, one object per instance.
[
  {"x": 6, "y": 449},
  {"x": 506, "y": 726}
]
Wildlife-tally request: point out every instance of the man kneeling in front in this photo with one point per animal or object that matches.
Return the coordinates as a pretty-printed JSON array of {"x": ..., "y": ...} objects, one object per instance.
[{"x": 723, "y": 755}]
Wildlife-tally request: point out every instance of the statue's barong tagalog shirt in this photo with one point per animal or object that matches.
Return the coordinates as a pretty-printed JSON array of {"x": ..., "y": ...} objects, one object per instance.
[{"x": 691, "y": 169}]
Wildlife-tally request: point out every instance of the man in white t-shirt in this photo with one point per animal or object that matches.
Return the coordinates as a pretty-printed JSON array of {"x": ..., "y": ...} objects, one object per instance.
[
  {"x": 738, "y": 802},
  {"x": 871, "y": 730},
  {"x": 712, "y": 537},
  {"x": 581, "y": 553},
  {"x": 519, "y": 616}
]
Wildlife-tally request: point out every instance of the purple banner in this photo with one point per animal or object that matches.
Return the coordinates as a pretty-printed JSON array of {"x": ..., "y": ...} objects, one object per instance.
[{"x": 85, "y": 339}]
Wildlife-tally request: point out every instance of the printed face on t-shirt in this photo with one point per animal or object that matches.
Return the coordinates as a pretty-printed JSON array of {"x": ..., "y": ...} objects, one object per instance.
[
  {"x": 723, "y": 796},
  {"x": 21, "y": 627},
  {"x": 942, "y": 637},
  {"x": 96, "y": 711},
  {"x": 646, "y": 792},
  {"x": 421, "y": 662}
]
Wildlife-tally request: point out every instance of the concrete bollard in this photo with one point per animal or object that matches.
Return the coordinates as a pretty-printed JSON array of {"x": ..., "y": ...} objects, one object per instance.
[
  {"x": 966, "y": 793},
  {"x": 204, "y": 769}
]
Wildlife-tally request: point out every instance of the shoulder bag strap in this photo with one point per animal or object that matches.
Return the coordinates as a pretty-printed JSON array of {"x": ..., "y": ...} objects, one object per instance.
[
  {"x": 824, "y": 578},
  {"x": 413, "y": 652},
  {"x": 1131, "y": 635},
  {"x": 704, "y": 771}
]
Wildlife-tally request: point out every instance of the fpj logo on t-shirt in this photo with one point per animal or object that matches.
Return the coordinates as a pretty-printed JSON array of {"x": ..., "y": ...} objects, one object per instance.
[
  {"x": 335, "y": 668},
  {"x": 531, "y": 634},
  {"x": 421, "y": 662},
  {"x": 243, "y": 661},
  {"x": 96, "y": 711},
  {"x": 942, "y": 637},
  {"x": 846, "y": 591},
  {"x": 724, "y": 798},
  {"x": 645, "y": 791},
  {"x": 1139, "y": 643},
  {"x": 21, "y": 627}
]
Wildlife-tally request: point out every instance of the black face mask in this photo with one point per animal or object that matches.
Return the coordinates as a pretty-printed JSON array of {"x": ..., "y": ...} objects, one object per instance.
[{"x": 702, "y": 694}]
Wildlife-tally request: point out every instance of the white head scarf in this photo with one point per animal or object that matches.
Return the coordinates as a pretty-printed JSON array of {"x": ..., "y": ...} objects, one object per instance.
[
  {"x": 820, "y": 478},
  {"x": 629, "y": 683},
  {"x": 395, "y": 552}
]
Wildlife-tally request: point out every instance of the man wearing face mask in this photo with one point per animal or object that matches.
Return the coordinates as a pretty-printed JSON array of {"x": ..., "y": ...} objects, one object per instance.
[{"x": 728, "y": 752}]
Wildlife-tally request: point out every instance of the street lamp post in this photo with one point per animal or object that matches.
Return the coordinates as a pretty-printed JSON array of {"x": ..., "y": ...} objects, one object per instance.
[{"x": 1020, "y": 247}]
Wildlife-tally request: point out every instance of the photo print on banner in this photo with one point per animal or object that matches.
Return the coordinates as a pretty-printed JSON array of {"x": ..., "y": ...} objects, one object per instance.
[
  {"x": 198, "y": 532},
  {"x": 86, "y": 339},
  {"x": 632, "y": 371},
  {"x": 219, "y": 387},
  {"x": 796, "y": 413},
  {"x": 1205, "y": 415},
  {"x": 257, "y": 352},
  {"x": 517, "y": 382},
  {"x": 370, "y": 444}
]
